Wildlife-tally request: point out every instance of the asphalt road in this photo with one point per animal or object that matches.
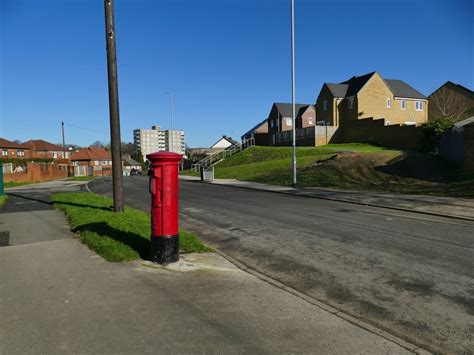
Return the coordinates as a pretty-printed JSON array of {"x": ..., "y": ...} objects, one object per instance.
[{"x": 407, "y": 273}]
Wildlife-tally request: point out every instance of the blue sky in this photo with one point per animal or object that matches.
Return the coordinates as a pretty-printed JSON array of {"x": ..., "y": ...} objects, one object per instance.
[{"x": 226, "y": 60}]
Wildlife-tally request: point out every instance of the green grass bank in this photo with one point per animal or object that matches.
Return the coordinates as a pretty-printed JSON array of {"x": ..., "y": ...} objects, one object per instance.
[
  {"x": 349, "y": 166},
  {"x": 115, "y": 236}
]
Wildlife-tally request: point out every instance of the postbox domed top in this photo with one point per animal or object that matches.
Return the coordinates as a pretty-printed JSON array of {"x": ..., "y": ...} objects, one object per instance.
[{"x": 164, "y": 156}]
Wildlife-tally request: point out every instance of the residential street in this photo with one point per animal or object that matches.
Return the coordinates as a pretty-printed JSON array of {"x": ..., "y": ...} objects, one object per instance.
[
  {"x": 57, "y": 296},
  {"x": 411, "y": 274}
]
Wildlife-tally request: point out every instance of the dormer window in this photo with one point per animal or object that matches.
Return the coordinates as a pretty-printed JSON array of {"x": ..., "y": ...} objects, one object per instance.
[{"x": 325, "y": 105}]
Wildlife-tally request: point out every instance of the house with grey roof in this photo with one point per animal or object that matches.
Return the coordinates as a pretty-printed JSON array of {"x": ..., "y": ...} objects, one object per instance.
[
  {"x": 451, "y": 100},
  {"x": 371, "y": 96},
  {"x": 280, "y": 118}
]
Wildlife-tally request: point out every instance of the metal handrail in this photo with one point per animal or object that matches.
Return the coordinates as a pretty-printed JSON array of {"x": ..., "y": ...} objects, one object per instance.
[{"x": 223, "y": 154}]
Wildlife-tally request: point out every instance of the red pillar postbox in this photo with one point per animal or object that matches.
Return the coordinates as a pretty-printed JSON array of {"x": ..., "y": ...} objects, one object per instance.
[{"x": 163, "y": 176}]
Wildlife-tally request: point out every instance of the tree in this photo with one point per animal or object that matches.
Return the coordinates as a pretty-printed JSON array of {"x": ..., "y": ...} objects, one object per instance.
[
  {"x": 138, "y": 156},
  {"x": 98, "y": 144},
  {"x": 432, "y": 131},
  {"x": 448, "y": 103},
  {"x": 128, "y": 148}
]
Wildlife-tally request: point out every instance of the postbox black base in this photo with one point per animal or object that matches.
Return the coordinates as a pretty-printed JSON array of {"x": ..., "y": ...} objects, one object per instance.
[{"x": 165, "y": 249}]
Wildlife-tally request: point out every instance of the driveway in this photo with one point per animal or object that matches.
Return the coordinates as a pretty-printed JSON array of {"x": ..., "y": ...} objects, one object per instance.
[{"x": 408, "y": 273}]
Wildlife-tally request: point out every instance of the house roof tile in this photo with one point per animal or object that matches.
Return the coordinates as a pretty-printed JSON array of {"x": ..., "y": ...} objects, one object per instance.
[
  {"x": 39, "y": 144},
  {"x": 338, "y": 90},
  {"x": 286, "y": 109},
  {"x": 356, "y": 83},
  {"x": 5, "y": 143},
  {"x": 254, "y": 128},
  {"x": 467, "y": 121},
  {"x": 91, "y": 153},
  {"x": 353, "y": 85},
  {"x": 128, "y": 161},
  {"x": 401, "y": 89}
]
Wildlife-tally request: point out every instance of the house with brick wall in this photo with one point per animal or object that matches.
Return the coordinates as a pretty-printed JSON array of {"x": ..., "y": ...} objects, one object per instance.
[
  {"x": 92, "y": 161},
  {"x": 42, "y": 149},
  {"x": 280, "y": 118},
  {"x": 451, "y": 100},
  {"x": 371, "y": 96},
  {"x": 11, "y": 149},
  {"x": 259, "y": 133}
]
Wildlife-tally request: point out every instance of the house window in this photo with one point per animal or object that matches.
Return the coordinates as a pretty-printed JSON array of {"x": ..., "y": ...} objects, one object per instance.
[
  {"x": 350, "y": 103},
  {"x": 271, "y": 124},
  {"x": 104, "y": 162},
  {"x": 96, "y": 162},
  {"x": 325, "y": 105},
  {"x": 403, "y": 104},
  {"x": 289, "y": 122},
  {"x": 55, "y": 155},
  {"x": 310, "y": 120},
  {"x": 389, "y": 103},
  {"x": 419, "y": 105},
  {"x": 20, "y": 153},
  {"x": 5, "y": 152}
]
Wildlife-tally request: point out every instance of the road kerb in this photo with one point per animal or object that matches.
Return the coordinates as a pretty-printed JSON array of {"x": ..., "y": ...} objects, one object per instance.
[
  {"x": 339, "y": 200},
  {"x": 320, "y": 304}
]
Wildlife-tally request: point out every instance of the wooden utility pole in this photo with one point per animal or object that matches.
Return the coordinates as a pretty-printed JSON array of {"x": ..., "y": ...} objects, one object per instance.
[
  {"x": 64, "y": 141},
  {"x": 115, "y": 141}
]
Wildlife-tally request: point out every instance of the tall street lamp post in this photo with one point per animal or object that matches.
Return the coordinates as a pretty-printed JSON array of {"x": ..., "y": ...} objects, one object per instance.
[
  {"x": 170, "y": 93},
  {"x": 293, "y": 88}
]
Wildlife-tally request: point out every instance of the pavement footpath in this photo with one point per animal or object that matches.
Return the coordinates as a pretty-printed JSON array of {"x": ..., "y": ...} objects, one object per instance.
[
  {"x": 57, "y": 296},
  {"x": 460, "y": 208}
]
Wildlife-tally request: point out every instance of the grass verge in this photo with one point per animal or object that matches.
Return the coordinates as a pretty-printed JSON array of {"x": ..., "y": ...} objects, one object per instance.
[
  {"x": 82, "y": 178},
  {"x": 16, "y": 183},
  {"x": 3, "y": 198},
  {"x": 114, "y": 236}
]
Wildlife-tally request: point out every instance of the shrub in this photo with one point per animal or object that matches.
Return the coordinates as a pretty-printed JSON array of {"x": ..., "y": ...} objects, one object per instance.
[{"x": 432, "y": 131}]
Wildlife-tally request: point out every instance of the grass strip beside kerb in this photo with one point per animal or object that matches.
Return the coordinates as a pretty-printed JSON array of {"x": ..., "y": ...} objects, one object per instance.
[
  {"x": 82, "y": 178},
  {"x": 17, "y": 183},
  {"x": 115, "y": 236},
  {"x": 3, "y": 198}
]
